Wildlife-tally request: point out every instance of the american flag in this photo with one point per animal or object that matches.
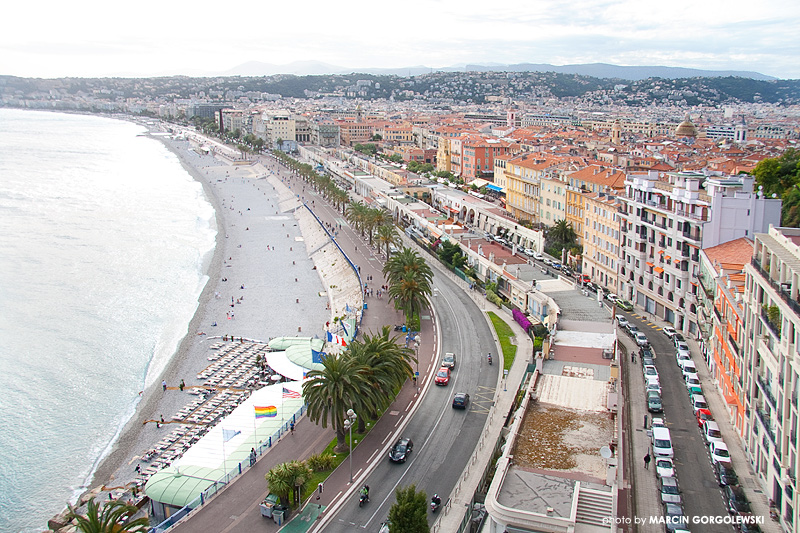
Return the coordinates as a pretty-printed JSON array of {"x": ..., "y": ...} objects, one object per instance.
[{"x": 290, "y": 393}]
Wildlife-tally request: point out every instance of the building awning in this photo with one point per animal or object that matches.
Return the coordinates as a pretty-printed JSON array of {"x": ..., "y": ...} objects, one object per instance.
[
  {"x": 659, "y": 269},
  {"x": 494, "y": 188},
  {"x": 650, "y": 264},
  {"x": 451, "y": 209},
  {"x": 668, "y": 258},
  {"x": 661, "y": 252}
]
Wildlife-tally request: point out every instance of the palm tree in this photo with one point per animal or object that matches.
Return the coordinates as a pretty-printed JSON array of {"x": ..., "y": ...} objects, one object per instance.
[
  {"x": 387, "y": 236},
  {"x": 289, "y": 479},
  {"x": 385, "y": 366},
  {"x": 331, "y": 391},
  {"x": 113, "y": 517},
  {"x": 356, "y": 214},
  {"x": 407, "y": 260},
  {"x": 409, "y": 293},
  {"x": 562, "y": 233}
]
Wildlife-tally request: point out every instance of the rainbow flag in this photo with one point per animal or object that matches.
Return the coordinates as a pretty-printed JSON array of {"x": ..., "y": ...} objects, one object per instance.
[{"x": 266, "y": 412}]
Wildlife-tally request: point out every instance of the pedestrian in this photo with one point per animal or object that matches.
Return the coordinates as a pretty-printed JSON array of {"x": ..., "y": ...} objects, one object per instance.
[
  {"x": 138, "y": 468},
  {"x": 252, "y": 456},
  {"x": 291, "y": 427},
  {"x": 164, "y": 384},
  {"x": 647, "y": 461},
  {"x": 645, "y": 421},
  {"x": 162, "y": 419},
  {"x": 182, "y": 385}
]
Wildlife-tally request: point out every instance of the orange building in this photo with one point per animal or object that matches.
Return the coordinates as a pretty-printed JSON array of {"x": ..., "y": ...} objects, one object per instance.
[{"x": 722, "y": 281}]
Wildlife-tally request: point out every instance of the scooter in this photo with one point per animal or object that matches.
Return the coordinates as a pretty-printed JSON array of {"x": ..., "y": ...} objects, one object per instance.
[
  {"x": 490, "y": 358},
  {"x": 436, "y": 501},
  {"x": 362, "y": 499}
]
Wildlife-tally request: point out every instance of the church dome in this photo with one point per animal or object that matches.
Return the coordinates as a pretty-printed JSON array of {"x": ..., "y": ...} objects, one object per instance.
[{"x": 686, "y": 128}]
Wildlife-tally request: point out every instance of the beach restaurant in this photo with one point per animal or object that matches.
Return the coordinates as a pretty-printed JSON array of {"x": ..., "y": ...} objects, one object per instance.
[{"x": 225, "y": 451}]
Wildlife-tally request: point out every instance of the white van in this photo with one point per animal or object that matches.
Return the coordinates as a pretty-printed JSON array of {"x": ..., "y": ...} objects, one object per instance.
[
  {"x": 662, "y": 442},
  {"x": 699, "y": 402}
]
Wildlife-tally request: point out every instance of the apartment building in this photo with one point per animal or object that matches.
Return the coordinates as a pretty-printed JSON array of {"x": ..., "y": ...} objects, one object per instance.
[
  {"x": 478, "y": 155},
  {"x": 601, "y": 239},
  {"x": 770, "y": 382},
  {"x": 667, "y": 219},
  {"x": 352, "y": 133},
  {"x": 553, "y": 203},
  {"x": 523, "y": 175},
  {"x": 721, "y": 319}
]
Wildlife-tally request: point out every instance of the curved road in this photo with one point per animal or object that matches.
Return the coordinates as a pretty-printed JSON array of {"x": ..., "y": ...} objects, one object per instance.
[{"x": 444, "y": 438}]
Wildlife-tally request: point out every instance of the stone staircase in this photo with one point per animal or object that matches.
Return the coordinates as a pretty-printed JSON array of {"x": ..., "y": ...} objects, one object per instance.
[{"x": 593, "y": 507}]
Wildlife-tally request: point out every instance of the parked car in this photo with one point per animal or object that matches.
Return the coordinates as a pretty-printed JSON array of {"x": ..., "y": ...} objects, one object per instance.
[
  {"x": 725, "y": 474},
  {"x": 461, "y": 400},
  {"x": 699, "y": 402},
  {"x": 401, "y": 450},
  {"x": 625, "y": 305},
  {"x": 736, "y": 500},
  {"x": 702, "y": 415},
  {"x": 611, "y": 297},
  {"x": 657, "y": 422},
  {"x": 682, "y": 356},
  {"x": 443, "y": 376},
  {"x": 711, "y": 432},
  {"x": 584, "y": 278},
  {"x": 665, "y": 467},
  {"x": 654, "y": 404},
  {"x": 719, "y": 453},
  {"x": 641, "y": 339},
  {"x": 678, "y": 338},
  {"x": 538, "y": 256},
  {"x": 649, "y": 370},
  {"x": 674, "y": 520},
  {"x": 449, "y": 360},
  {"x": 555, "y": 265},
  {"x": 652, "y": 384},
  {"x": 668, "y": 486},
  {"x": 529, "y": 252},
  {"x": 567, "y": 271},
  {"x": 632, "y": 330},
  {"x": 669, "y": 331},
  {"x": 622, "y": 321},
  {"x": 687, "y": 367},
  {"x": 693, "y": 384}
]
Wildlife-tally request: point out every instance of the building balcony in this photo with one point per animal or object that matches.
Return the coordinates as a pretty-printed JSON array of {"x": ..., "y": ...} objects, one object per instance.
[
  {"x": 766, "y": 390},
  {"x": 764, "y": 418},
  {"x": 783, "y": 290},
  {"x": 693, "y": 236}
]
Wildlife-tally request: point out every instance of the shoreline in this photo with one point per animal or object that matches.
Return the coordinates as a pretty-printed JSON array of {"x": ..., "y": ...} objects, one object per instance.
[{"x": 220, "y": 178}]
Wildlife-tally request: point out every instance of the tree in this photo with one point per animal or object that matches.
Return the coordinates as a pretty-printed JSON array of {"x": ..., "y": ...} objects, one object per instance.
[
  {"x": 777, "y": 175},
  {"x": 387, "y": 235},
  {"x": 409, "y": 278},
  {"x": 451, "y": 254},
  {"x": 113, "y": 517},
  {"x": 288, "y": 480},
  {"x": 409, "y": 513},
  {"x": 331, "y": 391}
]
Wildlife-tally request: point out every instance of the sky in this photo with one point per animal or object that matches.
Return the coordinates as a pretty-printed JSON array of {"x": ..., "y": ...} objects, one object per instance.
[{"x": 89, "y": 38}]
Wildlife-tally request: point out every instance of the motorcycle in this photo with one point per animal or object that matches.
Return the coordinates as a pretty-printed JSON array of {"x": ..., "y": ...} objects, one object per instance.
[
  {"x": 436, "y": 501},
  {"x": 363, "y": 497},
  {"x": 398, "y": 328},
  {"x": 490, "y": 358}
]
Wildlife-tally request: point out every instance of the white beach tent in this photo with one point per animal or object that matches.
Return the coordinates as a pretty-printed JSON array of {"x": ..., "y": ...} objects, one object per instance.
[
  {"x": 213, "y": 455},
  {"x": 297, "y": 357}
]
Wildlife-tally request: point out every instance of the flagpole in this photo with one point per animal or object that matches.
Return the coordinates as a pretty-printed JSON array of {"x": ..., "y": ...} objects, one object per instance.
[{"x": 224, "y": 458}]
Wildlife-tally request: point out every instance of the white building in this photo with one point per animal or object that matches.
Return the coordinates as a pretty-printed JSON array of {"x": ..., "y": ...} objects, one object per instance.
[{"x": 667, "y": 219}]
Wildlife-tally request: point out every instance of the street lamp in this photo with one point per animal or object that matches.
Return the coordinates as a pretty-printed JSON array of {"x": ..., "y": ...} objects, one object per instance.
[{"x": 348, "y": 424}]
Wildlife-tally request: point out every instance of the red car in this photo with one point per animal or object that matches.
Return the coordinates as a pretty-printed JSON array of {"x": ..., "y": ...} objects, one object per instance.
[
  {"x": 443, "y": 376},
  {"x": 703, "y": 415}
]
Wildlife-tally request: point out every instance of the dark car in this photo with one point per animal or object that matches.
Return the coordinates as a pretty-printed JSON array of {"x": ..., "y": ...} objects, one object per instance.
[
  {"x": 401, "y": 450},
  {"x": 677, "y": 338},
  {"x": 725, "y": 475},
  {"x": 749, "y": 528},
  {"x": 461, "y": 400},
  {"x": 654, "y": 402},
  {"x": 736, "y": 500},
  {"x": 566, "y": 271},
  {"x": 674, "y": 517}
]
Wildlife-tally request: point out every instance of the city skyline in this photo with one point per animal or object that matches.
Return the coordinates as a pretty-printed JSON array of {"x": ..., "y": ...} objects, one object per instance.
[{"x": 65, "y": 40}]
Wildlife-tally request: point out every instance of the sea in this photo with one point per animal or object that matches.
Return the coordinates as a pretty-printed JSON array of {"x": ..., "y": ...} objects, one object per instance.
[{"x": 104, "y": 245}]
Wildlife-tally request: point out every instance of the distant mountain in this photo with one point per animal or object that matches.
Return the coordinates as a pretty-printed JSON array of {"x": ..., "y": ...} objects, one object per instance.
[
  {"x": 604, "y": 70},
  {"x": 597, "y": 70}
]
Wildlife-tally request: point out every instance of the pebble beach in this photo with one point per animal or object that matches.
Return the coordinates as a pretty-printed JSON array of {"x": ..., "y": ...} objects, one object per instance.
[{"x": 274, "y": 272}]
